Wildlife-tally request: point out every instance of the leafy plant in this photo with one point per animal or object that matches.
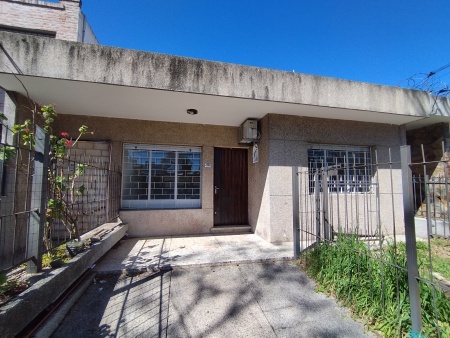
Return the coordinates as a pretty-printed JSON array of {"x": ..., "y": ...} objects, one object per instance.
[
  {"x": 64, "y": 187},
  {"x": 9, "y": 288},
  {"x": 55, "y": 253},
  {"x": 374, "y": 284},
  {"x": 6, "y": 152}
]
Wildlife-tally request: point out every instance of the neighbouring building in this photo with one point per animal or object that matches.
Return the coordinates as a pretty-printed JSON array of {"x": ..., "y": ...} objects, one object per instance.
[{"x": 61, "y": 20}]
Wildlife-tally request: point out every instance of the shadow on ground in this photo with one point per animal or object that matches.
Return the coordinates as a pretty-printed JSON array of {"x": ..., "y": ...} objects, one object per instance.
[
  {"x": 121, "y": 306},
  {"x": 146, "y": 254},
  {"x": 239, "y": 300}
]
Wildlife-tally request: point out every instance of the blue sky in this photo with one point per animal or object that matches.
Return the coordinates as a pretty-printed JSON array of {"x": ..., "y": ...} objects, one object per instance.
[{"x": 381, "y": 41}]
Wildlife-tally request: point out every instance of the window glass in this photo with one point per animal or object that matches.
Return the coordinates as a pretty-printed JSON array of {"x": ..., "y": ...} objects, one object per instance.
[
  {"x": 188, "y": 183},
  {"x": 348, "y": 169},
  {"x": 161, "y": 177}
]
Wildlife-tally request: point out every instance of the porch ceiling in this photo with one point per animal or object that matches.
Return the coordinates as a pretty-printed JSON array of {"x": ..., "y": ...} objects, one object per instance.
[{"x": 97, "y": 99}]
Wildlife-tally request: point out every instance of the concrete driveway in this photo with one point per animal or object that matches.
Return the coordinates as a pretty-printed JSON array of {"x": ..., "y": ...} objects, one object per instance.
[{"x": 238, "y": 299}]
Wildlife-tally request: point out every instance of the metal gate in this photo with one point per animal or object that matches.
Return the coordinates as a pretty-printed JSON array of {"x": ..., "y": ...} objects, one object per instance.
[{"x": 362, "y": 236}]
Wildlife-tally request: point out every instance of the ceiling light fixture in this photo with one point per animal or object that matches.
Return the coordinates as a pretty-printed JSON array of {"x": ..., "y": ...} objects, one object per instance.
[{"x": 192, "y": 111}]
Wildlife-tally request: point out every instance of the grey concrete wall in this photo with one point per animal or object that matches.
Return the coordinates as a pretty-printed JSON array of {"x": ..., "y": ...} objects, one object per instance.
[
  {"x": 289, "y": 138},
  {"x": 258, "y": 185},
  {"x": 120, "y": 131},
  {"x": 101, "y": 64}
]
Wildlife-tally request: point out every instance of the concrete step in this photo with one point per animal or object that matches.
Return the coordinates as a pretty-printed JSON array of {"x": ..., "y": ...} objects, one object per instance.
[{"x": 231, "y": 229}]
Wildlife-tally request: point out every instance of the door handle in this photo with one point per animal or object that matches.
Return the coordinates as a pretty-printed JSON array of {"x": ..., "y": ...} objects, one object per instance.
[{"x": 215, "y": 190}]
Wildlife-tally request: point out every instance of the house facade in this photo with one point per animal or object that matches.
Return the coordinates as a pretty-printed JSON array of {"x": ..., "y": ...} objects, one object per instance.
[{"x": 174, "y": 126}]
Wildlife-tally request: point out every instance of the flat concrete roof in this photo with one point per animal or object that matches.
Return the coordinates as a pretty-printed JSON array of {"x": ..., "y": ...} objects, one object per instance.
[{"x": 98, "y": 80}]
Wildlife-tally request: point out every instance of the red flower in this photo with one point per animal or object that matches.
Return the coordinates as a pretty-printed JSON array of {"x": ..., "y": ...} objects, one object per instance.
[
  {"x": 27, "y": 131},
  {"x": 64, "y": 134},
  {"x": 68, "y": 143}
]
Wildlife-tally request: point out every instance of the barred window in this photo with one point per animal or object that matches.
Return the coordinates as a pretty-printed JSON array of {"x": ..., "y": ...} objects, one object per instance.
[
  {"x": 348, "y": 168},
  {"x": 161, "y": 177}
]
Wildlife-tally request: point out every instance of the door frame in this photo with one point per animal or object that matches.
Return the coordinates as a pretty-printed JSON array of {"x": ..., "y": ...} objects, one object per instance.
[{"x": 244, "y": 207}]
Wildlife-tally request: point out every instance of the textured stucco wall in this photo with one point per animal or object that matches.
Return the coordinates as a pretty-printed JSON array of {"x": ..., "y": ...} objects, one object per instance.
[
  {"x": 60, "y": 18},
  {"x": 283, "y": 144},
  {"x": 258, "y": 185},
  {"x": 289, "y": 138},
  {"x": 119, "y": 131}
]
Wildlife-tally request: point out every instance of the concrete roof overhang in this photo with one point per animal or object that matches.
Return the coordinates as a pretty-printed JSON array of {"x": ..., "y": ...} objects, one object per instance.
[{"x": 97, "y": 80}]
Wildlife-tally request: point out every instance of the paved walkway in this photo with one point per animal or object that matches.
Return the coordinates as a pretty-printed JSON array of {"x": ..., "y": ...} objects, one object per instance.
[
  {"x": 138, "y": 255},
  {"x": 270, "y": 298}
]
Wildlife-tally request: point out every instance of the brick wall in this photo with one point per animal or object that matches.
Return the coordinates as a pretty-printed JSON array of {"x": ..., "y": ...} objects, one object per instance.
[
  {"x": 91, "y": 151},
  {"x": 61, "y": 18}
]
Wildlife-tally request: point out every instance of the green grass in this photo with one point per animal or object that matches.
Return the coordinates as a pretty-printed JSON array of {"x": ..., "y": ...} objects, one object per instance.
[{"x": 369, "y": 283}]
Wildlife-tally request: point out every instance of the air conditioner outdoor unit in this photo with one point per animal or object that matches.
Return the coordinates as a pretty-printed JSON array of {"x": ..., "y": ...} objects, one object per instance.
[{"x": 249, "y": 131}]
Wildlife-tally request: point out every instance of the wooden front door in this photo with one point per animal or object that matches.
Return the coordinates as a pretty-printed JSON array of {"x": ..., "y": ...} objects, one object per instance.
[{"x": 230, "y": 187}]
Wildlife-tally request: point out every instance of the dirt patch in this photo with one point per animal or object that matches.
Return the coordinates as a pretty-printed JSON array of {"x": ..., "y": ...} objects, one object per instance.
[{"x": 440, "y": 247}]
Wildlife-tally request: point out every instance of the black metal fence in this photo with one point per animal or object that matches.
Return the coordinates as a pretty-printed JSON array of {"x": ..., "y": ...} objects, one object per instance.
[
  {"x": 45, "y": 202},
  {"x": 364, "y": 246}
]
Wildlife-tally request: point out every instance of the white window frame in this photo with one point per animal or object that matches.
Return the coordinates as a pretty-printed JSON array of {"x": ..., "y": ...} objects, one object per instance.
[{"x": 163, "y": 203}]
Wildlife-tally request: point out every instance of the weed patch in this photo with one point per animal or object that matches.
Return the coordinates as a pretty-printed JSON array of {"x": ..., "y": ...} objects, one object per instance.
[
  {"x": 56, "y": 253},
  {"x": 10, "y": 288}
]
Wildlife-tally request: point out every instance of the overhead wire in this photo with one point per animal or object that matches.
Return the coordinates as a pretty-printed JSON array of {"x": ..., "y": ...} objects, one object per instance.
[{"x": 439, "y": 69}]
